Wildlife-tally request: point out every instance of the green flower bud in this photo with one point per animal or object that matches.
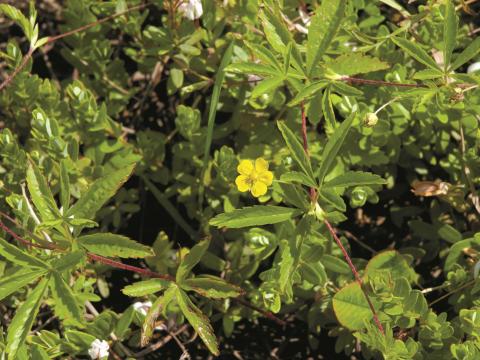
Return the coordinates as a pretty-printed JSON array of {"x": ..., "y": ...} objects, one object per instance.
[
  {"x": 370, "y": 120},
  {"x": 359, "y": 197}
]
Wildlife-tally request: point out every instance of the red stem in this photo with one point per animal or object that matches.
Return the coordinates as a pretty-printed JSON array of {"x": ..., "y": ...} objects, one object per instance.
[
  {"x": 15, "y": 72},
  {"x": 332, "y": 231},
  {"x": 119, "y": 265},
  {"x": 356, "y": 274},
  {"x": 379, "y": 82}
]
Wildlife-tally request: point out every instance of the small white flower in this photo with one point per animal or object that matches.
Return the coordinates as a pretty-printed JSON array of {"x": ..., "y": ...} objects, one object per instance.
[
  {"x": 191, "y": 9},
  {"x": 142, "y": 307},
  {"x": 98, "y": 349},
  {"x": 473, "y": 67}
]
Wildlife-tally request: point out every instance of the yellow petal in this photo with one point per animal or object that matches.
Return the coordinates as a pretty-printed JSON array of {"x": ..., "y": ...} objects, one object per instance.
[
  {"x": 261, "y": 165},
  {"x": 245, "y": 167},
  {"x": 243, "y": 183},
  {"x": 266, "y": 177},
  {"x": 259, "y": 189}
]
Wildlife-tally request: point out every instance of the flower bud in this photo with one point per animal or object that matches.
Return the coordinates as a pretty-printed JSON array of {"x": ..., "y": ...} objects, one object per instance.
[{"x": 370, "y": 120}]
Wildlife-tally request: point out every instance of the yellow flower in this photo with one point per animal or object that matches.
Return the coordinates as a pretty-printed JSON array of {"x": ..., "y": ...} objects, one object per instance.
[{"x": 254, "y": 177}]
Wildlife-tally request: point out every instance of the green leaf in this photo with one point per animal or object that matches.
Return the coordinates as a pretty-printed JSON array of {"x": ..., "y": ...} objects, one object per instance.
[
  {"x": 253, "y": 69},
  {"x": 297, "y": 177},
  {"x": 391, "y": 262},
  {"x": 68, "y": 261},
  {"x": 23, "y": 320},
  {"x": 355, "y": 178},
  {"x": 157, "y": 307},
  {"x": 212, "y": 287},
  {"x": 335, "y": 264},
  {"x": 146, "y": 287},
  {"x": 355, "y": 63},
  {"x": 296, "y": 150},
  {"x": 99, "y": 193},
  {"x": 267, "y": 85},
  {"x": 279, "y": 37},
  {"x": 449, "y": 32},
  {"x": 254, "y": 216},
  {"x": 428, "y": 74},
  {"x": 65, "y": 305},
  {"x": 212, "y": 112},
  {"x": 122, "y": 328},
  {"x": 191, "y": 259},
  {"x": 342, "y": 88},
  {"x": 449, "y": 234},
  {"x": 64, "y": 186},
  {"x": 328, "y": 113},
  {"x": 108, "y": 244},
  {"x": 265, "y": 55},
  {"x": 416, "y": 52},
  {"x": 322, "y": 30},
  {"x": 17, "y": 16},
  {"x": 395, "y": 5},
  {"x": 38, "y": 353},
  {"x": 333, "y": 147},
  {"x": 307, "y": 92},
  {"x": 19, "y": 257},
  {"x": 331, "y": 197},
  {"x": 351, "y": 308},
  {"x": 10, "y": 284},
  {"x": 41, "y": 195},
  {"x": 471, "y": 51},
  {"x": 198, "y": 321}
]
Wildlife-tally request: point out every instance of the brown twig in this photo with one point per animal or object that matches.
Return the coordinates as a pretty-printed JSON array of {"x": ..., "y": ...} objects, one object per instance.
[
  {"x": 15, "y": 72},
  {"x": 332, "y": 231}
]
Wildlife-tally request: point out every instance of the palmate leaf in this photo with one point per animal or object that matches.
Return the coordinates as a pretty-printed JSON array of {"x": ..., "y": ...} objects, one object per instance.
[
  {"x": 355, "y": 63},
  {"x": 279, "y": 37},
  {"x": 198, "y": 321},
  {"x": 296, "y": 150},
  {"x": 323, "y": 28},
  {"x": 355, "y": 178},
  {"x": 191, "y": 259},
  {"x": 471, "y": 51},
  {"x": 99, "y": 193},
  {"x": 10, "y": 284},
  {"x": 108, "y": 244},
  {"x": 267, "y": 85},
  {"x": 146, "y": 287},
  {"x": 254, "y": 216},
  {"x": 416, "y": 52},
  {"x": 449, "y": 32},
  {"x": 23, "y": 320},
  {"x": 157, "y": 307},
  {"x": 307, "y": 92},
  {"x": 41, "y": 195},
  {"x": 19, "y": 257},
  {"x": 212, "y": 287},
  {"x": 66, "y": 306},
  {"x": 333, "y": 147}
]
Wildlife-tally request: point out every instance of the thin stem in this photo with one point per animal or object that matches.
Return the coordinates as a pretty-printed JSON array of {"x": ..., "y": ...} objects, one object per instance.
[
  {"x": 95, "y": 23},
  {"x": 332, "y": 231},
  {"x": 470, "y": 283},
  {"x": 356, "y": 275},
  {"x": 379, "y": 82},
  {"x": 267, "y": 314},
  {"x": 15, "y": 72},
  {"x": 119, "y": 265}
]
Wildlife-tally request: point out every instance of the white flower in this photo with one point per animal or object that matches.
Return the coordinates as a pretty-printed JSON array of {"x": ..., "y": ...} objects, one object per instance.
[
  {"x": 142, "y": 307},
  {"x": 98, "y": 349},
  {"x": 473, "y": 67},
  {"x": 191, "y": 9}
]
